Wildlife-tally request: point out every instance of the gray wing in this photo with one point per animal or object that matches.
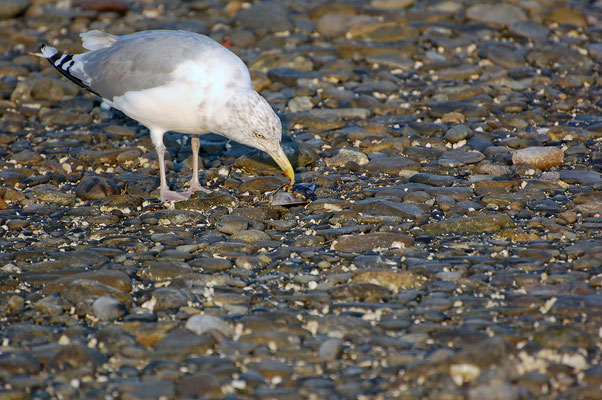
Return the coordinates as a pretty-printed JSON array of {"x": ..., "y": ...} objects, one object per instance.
[{"x": 139, "y": 61}]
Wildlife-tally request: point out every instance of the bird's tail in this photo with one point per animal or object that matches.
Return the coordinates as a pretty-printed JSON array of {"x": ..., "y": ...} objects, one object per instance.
[{"x": 62, "y": 62}]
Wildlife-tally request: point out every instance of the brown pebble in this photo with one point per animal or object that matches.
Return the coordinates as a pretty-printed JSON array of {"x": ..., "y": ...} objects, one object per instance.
[{"x": 540, "y": 157}]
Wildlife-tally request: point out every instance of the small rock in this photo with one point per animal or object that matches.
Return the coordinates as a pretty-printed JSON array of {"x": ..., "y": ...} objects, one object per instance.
[
  {"x": 108, "y": 308},
  {"x": 540, "y": 157},
  {"x": 200, "y": 324},
  {"x": 95, "y": 188},
  {"x": 457, "y": 133},
  {"x": 372, "y": 242},
  {"x": 230, "y": 224},
  {"x": 13, "y": 8},
  {"x": 250, "y": 235},
  {"x": 496, "y": 14},
  {"x": 331, "y": 349},
  {"x": 470, "y": 225},
  {"x": 300, "y": 103},
  {"x": 345, "y": 155}
]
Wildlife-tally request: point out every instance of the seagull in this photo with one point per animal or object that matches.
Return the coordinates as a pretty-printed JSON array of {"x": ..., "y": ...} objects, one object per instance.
[{"x": 175, "y": 81}]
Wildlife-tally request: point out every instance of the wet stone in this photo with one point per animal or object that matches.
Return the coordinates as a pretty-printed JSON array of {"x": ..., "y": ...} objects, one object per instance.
[
  {"x": 331, "y": 349},
  {"x": 231, "y": 224},
  {"x": 540, "y": 157},
  {"x": 388, "y": 208},
  {"x": 496, "y": 14},
  {"x": 458, "y": 133},
  {"x": 470, "y": 225},
  {"x": 108, "y": 308},
  {"x": 432, "y": 179},
  {"x": 95, "y": 188},
  {"x": 344, "y": 156},
  {"x": 13, "y": 8},
  {"x": 371, "y": 242},
  {"x": 211, "y": 264},
  {"x": 200, "y": 324}
]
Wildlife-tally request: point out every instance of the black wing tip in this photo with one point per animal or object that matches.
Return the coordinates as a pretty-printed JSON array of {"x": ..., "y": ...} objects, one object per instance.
[{"x": 62, "y": 62}]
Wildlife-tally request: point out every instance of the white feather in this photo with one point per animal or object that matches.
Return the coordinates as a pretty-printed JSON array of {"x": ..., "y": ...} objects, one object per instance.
[
  {"x": 95, "y": 40},
  {"x": 47, "y": 51}
]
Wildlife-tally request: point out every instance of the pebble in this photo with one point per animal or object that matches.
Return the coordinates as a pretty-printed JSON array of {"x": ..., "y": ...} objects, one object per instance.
[
  {"x": 108, "y": 308},
  {"x": 200, "y": 324},
  {"x": 231, "y": 224},
  {"x": 346, "y": 155},
  {"x": 95, "y": 188},
  {"x": 12, "y": 8},
  {"x": 540, "y": 157},
  {"x": 453, "y": 250},
  {"x": 496, "y": 14}
]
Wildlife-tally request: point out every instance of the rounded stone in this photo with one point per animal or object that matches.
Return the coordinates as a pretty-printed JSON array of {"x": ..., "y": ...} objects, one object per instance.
[
  {"x": 230, "y": 224},
  {"x": 200, "y": 324},
  {"x": 108, "y": 308},
  {"x": 95, "y": 188},
  {"x": 540, "y": 157}
]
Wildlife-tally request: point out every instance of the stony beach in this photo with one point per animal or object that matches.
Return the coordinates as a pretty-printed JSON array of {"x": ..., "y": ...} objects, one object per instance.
[{"x": 454, "y": 250}]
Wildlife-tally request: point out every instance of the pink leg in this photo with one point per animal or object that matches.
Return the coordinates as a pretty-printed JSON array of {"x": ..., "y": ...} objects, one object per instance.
[
  {"x": 195, "y": 185},
  {"x": 166, "y": 194}
]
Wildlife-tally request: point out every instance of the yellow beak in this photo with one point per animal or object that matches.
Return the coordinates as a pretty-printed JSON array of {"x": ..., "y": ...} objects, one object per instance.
[{"x": 283, "y": 163}]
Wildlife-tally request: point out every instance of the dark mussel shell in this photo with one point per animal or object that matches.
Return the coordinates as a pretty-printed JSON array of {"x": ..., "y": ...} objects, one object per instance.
[{"x": 294, "y": 195}]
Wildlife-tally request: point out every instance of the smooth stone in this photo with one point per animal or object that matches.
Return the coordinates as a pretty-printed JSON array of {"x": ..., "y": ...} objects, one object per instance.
[
  {"x": 371, "y": 241},
  {"x": 544, "y": 205},
  {"x": 77, "y": 356},
  {"x": 81, "y": 290},
  {"x": 580, "y": 176},
  {"x": 470, "y": 225},
  {"x": 270, "y": 369},
  {"x": 27, "y": 157},
  {"x": 231, "y": 224},
  {"x": 529, "y": 30},
  {"x": 346, "y": 155},
  {"x": 174, "y": 217},
  {"x": 200, "y": 385},
  {"x": 432, "y": 179},
  {"x": 388, "y": 208},
  {"x": 331, "y": 349},
  {"x": 269, "y": 16},
  {"x": 51, "y": 195},
  {"x": 541, "y": 157},
  {"x": 288, "y": 76},
  {"x": 503, "y": 54},
  {"x": 457, "y": 133},
  {"x": 359, "y": 292},
  {"x": 183, "y": 341},
  {"x": 116, "y": 279},
  {"x": 163, "y": 270},
  {"x": 211, "y": 264},
  {"x": 461, "y": 157},
  {"x": 391, "y": 165},
  {"x": 496, "y": 14},
  {"x": 169, "y": 299},
  {"x": 200, "y": 324},
  {"x": 204, "y": 202},
  {"x": 394, "y": 280},
  {"x": 13, "y": 8},
  {"x": 20, "y": 365},
  {"x": 300, "y": 103},
  {"x": 250, "y": 235},
  {"x": 108, "y": 308},
  {"x": 95, "y": 188}
]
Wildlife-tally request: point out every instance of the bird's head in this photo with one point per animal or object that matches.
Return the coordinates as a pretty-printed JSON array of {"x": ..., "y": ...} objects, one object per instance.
[{"x": 253, "y": 122}]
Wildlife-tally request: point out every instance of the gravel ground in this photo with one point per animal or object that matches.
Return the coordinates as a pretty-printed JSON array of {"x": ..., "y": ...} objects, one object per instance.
[{"x": 454, "y": 250}]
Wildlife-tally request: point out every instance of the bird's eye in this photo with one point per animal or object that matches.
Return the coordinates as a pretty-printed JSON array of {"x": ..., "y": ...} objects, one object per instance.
[{"x": 259, "y": 136}]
